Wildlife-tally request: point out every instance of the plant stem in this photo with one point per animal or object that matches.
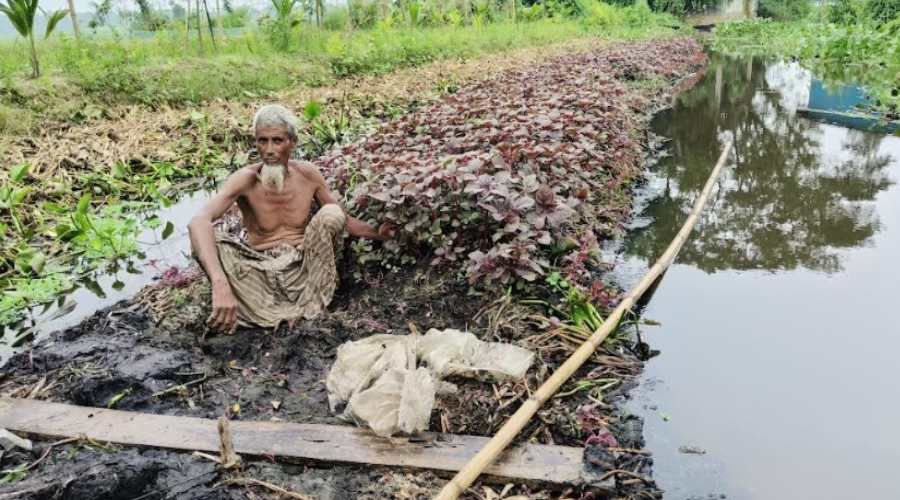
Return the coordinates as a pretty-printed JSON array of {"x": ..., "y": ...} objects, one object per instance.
[{"x": 35, "y": 67}]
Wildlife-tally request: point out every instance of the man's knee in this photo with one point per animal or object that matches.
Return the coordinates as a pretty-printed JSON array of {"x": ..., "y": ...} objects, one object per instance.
[{"x": 332, "y": 217}]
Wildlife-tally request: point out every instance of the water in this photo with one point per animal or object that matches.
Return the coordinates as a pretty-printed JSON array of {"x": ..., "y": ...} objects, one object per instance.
[
  {"x": 107, "y": 288},
  {"x": 779, "y": 332}
]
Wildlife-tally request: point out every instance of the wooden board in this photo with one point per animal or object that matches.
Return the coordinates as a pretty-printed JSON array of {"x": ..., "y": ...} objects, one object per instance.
[{"x": 330, "y": 443}]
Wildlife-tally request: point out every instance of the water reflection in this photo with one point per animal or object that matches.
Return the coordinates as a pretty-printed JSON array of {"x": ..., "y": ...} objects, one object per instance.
[{"x": 784, "y": 203}]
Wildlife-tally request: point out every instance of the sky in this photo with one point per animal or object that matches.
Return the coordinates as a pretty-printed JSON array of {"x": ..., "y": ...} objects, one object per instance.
[{"x": 85, "y": 5}]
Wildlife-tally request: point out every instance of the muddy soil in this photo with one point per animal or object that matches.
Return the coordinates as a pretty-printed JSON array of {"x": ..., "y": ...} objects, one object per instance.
[
  {"x": 127, "y": 356},
  {"x": 135, "y": 354}
]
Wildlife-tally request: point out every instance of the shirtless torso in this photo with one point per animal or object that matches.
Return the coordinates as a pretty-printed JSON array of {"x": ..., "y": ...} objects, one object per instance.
[{"x": 272, "y": 217}]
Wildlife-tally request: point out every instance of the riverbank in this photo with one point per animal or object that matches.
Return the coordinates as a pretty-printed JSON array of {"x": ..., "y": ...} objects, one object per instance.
[{"x": 591, "y": 108}]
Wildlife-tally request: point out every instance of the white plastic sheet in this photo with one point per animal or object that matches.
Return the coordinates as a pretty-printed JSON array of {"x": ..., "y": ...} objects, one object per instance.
[{"x": 379, "y": 380}]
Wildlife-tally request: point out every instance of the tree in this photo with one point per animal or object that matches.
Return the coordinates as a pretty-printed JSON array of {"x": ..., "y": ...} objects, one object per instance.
[
  {"x": 21, "y": 15},
  {"x": 74, "y": 19},
  {"x": 101, "y": 10}
]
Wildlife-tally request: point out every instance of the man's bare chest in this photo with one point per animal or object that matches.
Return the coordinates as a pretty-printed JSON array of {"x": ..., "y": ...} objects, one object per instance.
[{"x": 271, "y": 209}]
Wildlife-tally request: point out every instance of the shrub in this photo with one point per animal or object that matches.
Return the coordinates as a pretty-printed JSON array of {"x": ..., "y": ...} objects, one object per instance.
[
  {"x": 364, "y": 13},
  {"x": 336, "y": 18},
  {"x": 844, "y": 11},
  {"x": 683, "y": 7},
  {"x": 882, "y": 11},
  {"x": 784, "y": 10},
  {"x": 236, "y": 18},
  {"x": 596, "y": 14}
]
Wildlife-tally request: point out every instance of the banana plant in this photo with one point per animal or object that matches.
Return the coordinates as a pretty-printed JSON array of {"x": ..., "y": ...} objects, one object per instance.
[{"x": 21, "y": 14}]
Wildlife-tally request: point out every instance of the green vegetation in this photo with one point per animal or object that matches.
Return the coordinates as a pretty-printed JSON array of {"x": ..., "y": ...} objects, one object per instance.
[
  {"x": 21, "y": 14},
  {"x": 176, "y": 67},
  {"x": 851, "y": 41},
  {"x": 784, "y": 10},
  {"x": 48, "y": 244}
]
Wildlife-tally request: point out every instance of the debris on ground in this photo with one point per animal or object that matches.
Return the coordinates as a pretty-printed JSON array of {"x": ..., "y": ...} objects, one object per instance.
[
  {"x": 377, "y": 380},
  {"x": 8, "y": 441}
]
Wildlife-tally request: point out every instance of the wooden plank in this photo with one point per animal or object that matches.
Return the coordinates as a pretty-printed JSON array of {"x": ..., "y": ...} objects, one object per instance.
[{"x": 330, "y": 443}]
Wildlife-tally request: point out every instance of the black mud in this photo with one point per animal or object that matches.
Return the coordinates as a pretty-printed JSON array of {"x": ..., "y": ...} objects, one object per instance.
[{"x": 131, "y": 355}]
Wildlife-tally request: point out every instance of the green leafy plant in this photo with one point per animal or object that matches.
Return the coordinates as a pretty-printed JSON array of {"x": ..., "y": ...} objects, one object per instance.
[
  {"x": 280, "y": 28},
  {"x": 12, "y": 195},
  {"x": 21, "y": 14}
]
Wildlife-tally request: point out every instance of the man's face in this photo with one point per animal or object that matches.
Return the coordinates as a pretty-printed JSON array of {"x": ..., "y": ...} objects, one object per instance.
[{"x": 274, "y": 145}]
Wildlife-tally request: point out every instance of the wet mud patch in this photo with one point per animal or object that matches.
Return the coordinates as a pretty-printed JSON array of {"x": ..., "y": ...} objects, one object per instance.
[{"x": 127, "y": 357}]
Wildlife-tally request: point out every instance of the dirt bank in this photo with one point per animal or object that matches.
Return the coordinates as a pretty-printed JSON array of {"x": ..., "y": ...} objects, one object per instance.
[{"x": 129, "y": 356}]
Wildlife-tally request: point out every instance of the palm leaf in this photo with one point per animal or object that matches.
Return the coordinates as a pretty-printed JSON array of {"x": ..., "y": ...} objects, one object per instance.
[
  {"x": 29, "y": 8},
  {"x": 16, "y": 12},
  {"x": 54, "y": 19}
]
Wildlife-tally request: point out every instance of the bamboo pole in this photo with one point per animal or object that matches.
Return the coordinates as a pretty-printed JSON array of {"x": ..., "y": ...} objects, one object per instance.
[{"x": 470, "y": 472}]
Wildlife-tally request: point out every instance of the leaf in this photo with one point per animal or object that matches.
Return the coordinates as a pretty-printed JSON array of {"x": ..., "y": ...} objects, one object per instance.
[
  {"x": 53, "y": 20},
  {"x": 83, "y": 204},
  {"x": 23, "y": 261},
  {"x": 312, "y": 110},
  {"x": 168, "y": 230},
  {"x": 153, "y": 222},
  {"x": 37, "y": 262},
  {"x": 17, "y": 173},
  {"x": 119, "y": 171},
  {"x": 113, "y": 401}
]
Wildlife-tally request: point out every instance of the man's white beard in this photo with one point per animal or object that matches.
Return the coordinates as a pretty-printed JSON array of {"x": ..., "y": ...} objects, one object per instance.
[{"x": 271, "y": 176}]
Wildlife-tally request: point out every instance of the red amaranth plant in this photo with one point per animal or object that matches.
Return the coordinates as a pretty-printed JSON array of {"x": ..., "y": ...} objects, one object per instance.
[{"x": 488, "y": 178}]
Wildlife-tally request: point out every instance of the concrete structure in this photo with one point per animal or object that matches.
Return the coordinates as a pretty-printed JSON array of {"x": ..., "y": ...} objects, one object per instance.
[{"x": 731, "y": 10}]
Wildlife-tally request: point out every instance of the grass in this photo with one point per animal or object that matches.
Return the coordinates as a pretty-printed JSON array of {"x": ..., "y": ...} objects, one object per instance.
[
  {"x": 160, "y": 71},
  {"x": 171, "y": 70}
]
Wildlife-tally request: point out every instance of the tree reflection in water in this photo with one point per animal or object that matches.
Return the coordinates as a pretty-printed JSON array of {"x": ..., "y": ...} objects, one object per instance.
[{"x": 792, "y": 197}]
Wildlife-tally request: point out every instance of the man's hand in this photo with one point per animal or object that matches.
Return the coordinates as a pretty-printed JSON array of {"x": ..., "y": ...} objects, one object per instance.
[
  {"x": 224, "y": 313},
  {"x": 387, "y": 230}
]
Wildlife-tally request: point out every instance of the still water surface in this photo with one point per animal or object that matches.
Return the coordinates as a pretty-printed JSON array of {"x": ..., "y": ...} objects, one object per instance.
[{"x": 781, "y": 318}]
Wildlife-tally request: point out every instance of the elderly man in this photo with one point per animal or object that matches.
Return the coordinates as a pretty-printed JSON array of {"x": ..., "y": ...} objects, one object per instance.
[{"x": 288, "y": 269}]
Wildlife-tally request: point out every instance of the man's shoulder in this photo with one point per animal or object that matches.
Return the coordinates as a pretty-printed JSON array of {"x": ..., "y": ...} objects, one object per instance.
[
  {"x": 244, "y": 178},
  {"x": 306, "y": 169}
]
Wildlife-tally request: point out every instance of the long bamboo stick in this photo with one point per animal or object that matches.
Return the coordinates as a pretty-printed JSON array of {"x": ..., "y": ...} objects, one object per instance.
[{"x": 484, "y": 458}]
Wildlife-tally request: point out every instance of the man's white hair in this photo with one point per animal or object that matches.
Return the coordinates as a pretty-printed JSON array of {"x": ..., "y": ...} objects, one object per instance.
[{"x": 276, "y": 115}]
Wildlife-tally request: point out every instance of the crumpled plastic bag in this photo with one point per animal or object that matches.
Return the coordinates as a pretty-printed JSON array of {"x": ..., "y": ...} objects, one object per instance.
[
  {"x": 452, "y": 352},
  {"x": 400, "y": 400},
  {"x": 378, "y": 380}
]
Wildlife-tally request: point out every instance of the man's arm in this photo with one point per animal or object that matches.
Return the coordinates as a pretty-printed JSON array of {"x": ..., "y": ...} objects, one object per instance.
[
  {"x": 354, "y": 226},
  {"x": 203, "y": 241}
]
